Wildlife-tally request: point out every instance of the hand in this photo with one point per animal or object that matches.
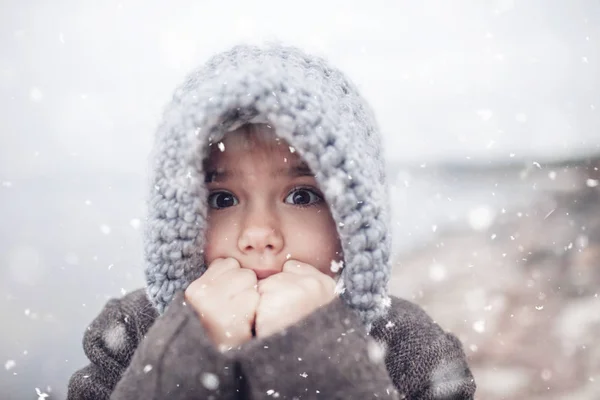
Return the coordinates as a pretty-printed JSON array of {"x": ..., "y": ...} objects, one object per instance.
[
  {"x": 225, "y": 297},
  {"x": 291, "y": 295}
]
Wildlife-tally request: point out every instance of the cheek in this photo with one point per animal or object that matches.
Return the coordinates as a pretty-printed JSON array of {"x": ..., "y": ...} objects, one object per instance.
[
  {"x": 220, "y": 237},
  {"x": 314, "y": 239}
]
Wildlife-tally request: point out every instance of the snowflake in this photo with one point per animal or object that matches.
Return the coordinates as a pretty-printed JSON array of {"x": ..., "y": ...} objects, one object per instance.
[
  {"x": 339, "y": 287},
  {"x": 479, "y": 326},
  {"x": 304, "y": 374},
  {"x": 36, "y": 94},
  {"x": 210, "y": 381},
  {"x": 336, "y": 266},
  {"x": 10, "y": 364},
  {"x": 480, "y": 218},
  {"x": 135, "y": 223},
  {"x": 376, "y": 351},
  {"x": 437, "y": 272},
  {"x": 41, "y": 395},
  {"x": 221, "y": 146},
  {"x": 386, "y": 302},
  {"x": 147, "y": 368}
]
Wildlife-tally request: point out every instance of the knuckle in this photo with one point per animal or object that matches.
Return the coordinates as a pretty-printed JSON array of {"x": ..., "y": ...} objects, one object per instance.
[{"x": 248, "y": 274}]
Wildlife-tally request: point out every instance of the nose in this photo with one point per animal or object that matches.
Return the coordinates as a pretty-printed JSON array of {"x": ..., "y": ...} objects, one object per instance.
[{"x": 260, "y": 234}]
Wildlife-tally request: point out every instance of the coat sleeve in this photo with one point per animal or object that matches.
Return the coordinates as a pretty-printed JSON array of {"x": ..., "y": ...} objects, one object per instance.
[
  {"x": 327, "y": 355},
  {"x": 174, "y": 360},
  {"x": 424, "y": 362}
]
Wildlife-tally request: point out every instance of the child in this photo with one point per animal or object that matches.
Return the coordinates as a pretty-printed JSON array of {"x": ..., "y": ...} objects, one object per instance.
[{"x": 267, "y": 252}]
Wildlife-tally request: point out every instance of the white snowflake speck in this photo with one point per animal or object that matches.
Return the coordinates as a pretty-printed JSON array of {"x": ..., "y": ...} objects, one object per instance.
[
  {"x": 480, "y": 218},
  {"x": 210, "y": 381},
  {"x": 304, "y": 374},
  {"x": 376, "y": 351},
  {"x": 9, "y": 364},
  {"x": 147, "y": 368},
  {"x": 479, "y": 326},
  {"x": 386, "y": 302},
  {"x": 339, "y": 287},
  {"x": 389, "y": 325},
  {"x": 292, "y": 150},
  {"x": 591, "y": 182},
  {"x": 336, "y": 266},
  {"x": 437, "y": 272},
  {"x": 41, "y": 395},
  {"x": 105, "y": 229},
  {"x": 36, "y": 94},
  {"x": 221, "y": 146},
  {"x": 135, "y": 223}
]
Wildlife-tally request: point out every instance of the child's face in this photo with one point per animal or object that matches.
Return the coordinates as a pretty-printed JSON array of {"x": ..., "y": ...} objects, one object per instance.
[{"x": 264, "y": 206}]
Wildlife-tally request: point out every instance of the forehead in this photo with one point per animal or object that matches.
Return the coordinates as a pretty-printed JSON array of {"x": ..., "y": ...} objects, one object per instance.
[
  {"x": 253, "y": 150},
  {"x": 258, "y": 141}
]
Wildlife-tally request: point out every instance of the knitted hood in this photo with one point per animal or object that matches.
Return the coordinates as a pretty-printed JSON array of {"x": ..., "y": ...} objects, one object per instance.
[{"x": 317, "y": 111}]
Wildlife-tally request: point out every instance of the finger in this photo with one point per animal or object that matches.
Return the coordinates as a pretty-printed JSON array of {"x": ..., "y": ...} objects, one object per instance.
[
  {"x": 276, "y": 282},
  {"x": 300, "y": 268},
  {"x": 246, "y": 303},
  {"x": 220, "y": 266},
  {"x": 227, "y": 283},
  {"x": 233, "y": 282}
]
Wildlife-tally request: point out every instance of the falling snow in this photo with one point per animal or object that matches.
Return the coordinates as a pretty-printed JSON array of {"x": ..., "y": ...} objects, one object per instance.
[
  {"x": 135, "y": 223},
  {"x": 9, "y": 364},
  {"x": 481, "y": 218},
  {"x": 376, "y": 351},
  {"x": 336, "y": 266},
  {"x": 591, "y": 183},
  {"x": 41, "y": 395},
  {"x": 210, "y": 381},
  {"x": 36, "y": 94}
]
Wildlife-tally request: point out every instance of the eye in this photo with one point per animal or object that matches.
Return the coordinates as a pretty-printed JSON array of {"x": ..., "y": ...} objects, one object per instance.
[
  {"x": 303, "y": 197},
  {"x": 219, "y": 200}
]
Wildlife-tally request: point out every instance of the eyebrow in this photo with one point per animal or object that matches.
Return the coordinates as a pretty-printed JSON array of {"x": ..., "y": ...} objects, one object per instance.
[{"x": 294, "y": 171}]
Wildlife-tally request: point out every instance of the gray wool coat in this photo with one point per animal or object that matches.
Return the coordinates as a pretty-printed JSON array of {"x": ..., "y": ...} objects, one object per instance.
[{"x": 136, "y": 354}]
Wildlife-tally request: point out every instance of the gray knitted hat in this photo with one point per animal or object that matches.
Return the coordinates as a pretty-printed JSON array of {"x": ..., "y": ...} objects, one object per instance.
[{"x": 317, "y": 111}]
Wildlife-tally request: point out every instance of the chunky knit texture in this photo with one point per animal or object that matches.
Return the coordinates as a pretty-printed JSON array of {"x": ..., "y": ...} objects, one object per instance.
[{"x": 320, "y": 113}]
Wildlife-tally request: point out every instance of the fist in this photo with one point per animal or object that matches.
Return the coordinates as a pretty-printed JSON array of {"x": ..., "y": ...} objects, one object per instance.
[
  {"x": 291, "y": 295},
  {"x": 226, "y": 298}
]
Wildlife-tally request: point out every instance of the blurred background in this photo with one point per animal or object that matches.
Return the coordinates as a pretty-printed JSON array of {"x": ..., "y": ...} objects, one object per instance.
[{"x": 490, "y": 111}]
